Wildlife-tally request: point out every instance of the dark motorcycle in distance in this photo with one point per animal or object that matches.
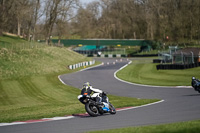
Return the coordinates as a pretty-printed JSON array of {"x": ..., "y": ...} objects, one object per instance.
[
  {"x": 93, "y": 108},
  {"x": 195, "y": 84}
]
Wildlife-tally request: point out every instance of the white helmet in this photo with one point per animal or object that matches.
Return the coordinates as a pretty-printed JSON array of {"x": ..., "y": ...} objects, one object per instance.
[{"x": 86, "y": 85}]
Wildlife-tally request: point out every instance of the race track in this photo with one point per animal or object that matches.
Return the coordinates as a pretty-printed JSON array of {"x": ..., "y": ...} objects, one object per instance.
[{"x": 180, "y": 104}]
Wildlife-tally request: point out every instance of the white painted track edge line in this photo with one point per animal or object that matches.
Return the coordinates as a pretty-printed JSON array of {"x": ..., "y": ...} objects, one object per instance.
[
  {"x": 37, "y": 121},
  {"x": 61, "y": 80},
  {"x": 115, "y": 75},
  {"x": 141, "y": 106},
  {"x": 79, "y": 71},
  {"x": 70, "y": 117},
  {"x": 91, "y": 67}
]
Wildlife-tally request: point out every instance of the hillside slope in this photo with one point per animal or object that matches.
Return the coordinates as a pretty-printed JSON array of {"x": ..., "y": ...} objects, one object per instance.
[
  {"x": 29, "y": 83},
  {"x": 26, "y": 62},
  {"x": 30, "y": 88}
]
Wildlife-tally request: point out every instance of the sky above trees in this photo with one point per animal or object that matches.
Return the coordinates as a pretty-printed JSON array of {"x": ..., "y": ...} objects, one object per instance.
[
  {"x": 87, "y": 1},
  {"x": 165, "y": 20}
]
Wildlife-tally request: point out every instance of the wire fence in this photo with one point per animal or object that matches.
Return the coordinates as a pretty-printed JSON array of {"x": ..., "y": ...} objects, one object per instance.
[{"x": 181, "y": 59}]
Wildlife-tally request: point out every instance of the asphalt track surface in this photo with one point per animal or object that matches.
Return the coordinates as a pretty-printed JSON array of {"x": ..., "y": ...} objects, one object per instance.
[{"x": 180, "y": 104}]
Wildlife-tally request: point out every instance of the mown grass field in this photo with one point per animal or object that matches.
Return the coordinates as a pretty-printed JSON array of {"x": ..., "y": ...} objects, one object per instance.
[
  {"x": 182, "y": 127},
  {"x": 5, "y": 39},
  {"x": 143, "y": 71},
  {"x": 29, "y": 83},
  {"x": 30, "y": 88},
  {"x": 45, "y": 96},
  {"x": 36, "y": 61}
]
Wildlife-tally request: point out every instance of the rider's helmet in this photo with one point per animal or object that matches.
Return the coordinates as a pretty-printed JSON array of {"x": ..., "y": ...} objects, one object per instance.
[
  {"x": 193, "y": 78},
  {"x": 86, "y": 85}
]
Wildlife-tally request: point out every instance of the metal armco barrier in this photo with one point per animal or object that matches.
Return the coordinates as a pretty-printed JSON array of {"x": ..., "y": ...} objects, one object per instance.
[
  {"x": 109, "y": 55},
  {"x": 86, "y": 63}
]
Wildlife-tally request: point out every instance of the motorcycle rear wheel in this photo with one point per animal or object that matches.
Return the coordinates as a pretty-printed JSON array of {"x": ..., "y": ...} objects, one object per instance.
[{"x": 91, "y": 109}]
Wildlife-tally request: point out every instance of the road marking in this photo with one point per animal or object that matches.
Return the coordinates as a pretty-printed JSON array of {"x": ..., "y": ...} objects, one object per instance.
[
  {"x": 115, "y": 75},
  {"x": 91, "y": 67},
  {"x": 70, "y": 116},
  {"x": 61, "y": 80},
  {"x": 36, "y": 121},
  {"x": 79, "y": 71},
  {"x": 128, "y": 108}
]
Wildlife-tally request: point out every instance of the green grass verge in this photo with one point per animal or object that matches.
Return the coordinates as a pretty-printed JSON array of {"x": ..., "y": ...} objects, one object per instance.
[
  {"x": 30, "y": 88},
  {"x": 182, "y": 127},
  {"x": 143, "y": 71},
  {"x": 36, "y": 61},
  {"x": 36, "y": 97},
  {"x": 45, "y": 96},
  {"x": 5, "y": 40}
]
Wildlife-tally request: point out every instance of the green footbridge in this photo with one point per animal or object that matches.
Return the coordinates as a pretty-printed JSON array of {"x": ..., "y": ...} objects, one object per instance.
[
  {"x": 98, "y": 47},
  {"x": 104, "y": 42}
]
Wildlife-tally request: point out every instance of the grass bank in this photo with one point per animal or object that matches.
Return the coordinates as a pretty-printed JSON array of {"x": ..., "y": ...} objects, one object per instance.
[
  {"x": 143, "y": 71},
  {"x": 182, "y": 127},
  {"x": 36, "y": 61},
  {"x": 45, "y": 96},
  {"x": 6, "y": 40},
  {"x": 29, "y": 84}
]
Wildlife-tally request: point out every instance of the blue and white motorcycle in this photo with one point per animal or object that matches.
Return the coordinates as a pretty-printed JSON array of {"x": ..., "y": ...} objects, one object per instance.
[{"x": 93, "y": 107}]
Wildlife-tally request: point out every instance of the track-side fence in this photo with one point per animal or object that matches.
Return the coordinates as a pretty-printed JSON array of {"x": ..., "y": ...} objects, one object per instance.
[{"x": 82, "y": 64}]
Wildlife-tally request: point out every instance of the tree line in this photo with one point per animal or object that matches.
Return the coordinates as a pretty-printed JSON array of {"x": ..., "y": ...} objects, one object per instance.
[
  {"x": 35, "y": 19},
  {"x": 165, "y": 20}
]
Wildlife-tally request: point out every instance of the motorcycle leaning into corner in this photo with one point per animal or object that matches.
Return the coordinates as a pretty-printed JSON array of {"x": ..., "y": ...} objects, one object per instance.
[
  {"x": 195, "y": 84},
  {"x": 95, "y": 108}
]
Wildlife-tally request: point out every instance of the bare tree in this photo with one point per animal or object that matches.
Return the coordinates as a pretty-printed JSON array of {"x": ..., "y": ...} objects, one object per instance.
[
  {"x": 22, "y": 8},
  {"x": 86, "y": 20},
  {"x": 120, "y": 19},
  {"x": 2, "y": 14},
  {"x": 37, "y": 14},
  {"x": 7, "y": 18},
  {"x": 65, "y": 15},
  {"x": 55, "y": 9}
]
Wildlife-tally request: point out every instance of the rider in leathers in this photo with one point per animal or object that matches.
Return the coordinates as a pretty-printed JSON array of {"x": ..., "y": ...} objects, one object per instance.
[{"x": 98, "y": 94}]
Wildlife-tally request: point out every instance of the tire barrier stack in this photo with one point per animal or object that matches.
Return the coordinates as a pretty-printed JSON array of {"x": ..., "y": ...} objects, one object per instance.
[
  {"x": 144, "y": 55},
  {"x": 82, "y": 64},
  {"x": 177, "y": 66},
  {"x": 161, "y": 61},
  {"x": 108, "y": 55},
  {"x": 120, "y": 55},
  {"x": 157, "y": 60}
]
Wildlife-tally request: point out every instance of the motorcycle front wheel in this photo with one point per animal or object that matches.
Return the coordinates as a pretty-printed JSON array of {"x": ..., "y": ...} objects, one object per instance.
[
  {"x": 112, "y": 109},
  {"x": 91, "y": 109}
]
